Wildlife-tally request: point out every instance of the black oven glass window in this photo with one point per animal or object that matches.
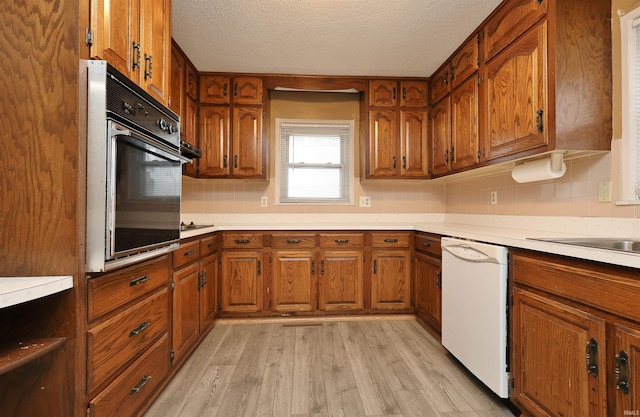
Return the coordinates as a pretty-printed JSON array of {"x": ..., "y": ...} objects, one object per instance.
[{"x": 148, "y": 185}]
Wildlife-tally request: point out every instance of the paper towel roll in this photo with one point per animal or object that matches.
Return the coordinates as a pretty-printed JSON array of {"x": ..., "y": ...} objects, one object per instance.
[{"x": 538, "y": 170}]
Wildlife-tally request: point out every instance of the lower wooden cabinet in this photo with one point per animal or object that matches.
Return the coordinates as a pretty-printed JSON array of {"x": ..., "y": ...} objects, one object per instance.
[
  {"x": 195, "y": 292},
  {"x": 127, "y": 337},
  {"x": 427, "y": 278},
  {"x": 575, "y": 337},
  {"x": 293, "y": 281},
  {"x": 242, "y": 281},
  {"x": 341, "y": 281},
  {"x": 390, "y": 271}
]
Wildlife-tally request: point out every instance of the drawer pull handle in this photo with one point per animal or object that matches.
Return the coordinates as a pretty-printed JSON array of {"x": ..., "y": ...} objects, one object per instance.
[
  {"x": 592, "y": 357},
  {"x": 140, "y": 384},
  {"x": 242, "y": 241},
  {"x": 391, "y": 241},
  {"x": 141, "y": 328},
  {"x": 338, "y": 241},
  {"x": 138, "y": 281},
  {"x": 190, "y": 252},
  {"x": 622, "y": 372},
  {"x": 426, "y": 244},
  {"x": 212, "y": 244},
  {"x": 294, "y": 240}
]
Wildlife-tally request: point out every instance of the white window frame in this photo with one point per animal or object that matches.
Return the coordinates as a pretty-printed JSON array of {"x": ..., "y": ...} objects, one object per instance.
[
  {"x": 630, "y": 146},
  {"x": 350, "y": 169}
]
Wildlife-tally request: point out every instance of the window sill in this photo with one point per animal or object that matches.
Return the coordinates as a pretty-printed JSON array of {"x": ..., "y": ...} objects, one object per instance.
[{"x": 628, "y": 203}]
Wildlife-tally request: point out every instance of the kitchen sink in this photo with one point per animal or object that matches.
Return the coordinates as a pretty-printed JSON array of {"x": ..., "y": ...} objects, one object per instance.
[{"x": 623, "y": 245}]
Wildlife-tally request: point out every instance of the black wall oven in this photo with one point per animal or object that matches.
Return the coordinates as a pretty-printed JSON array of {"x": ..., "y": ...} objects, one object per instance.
[{"x": 134, "y": 172}]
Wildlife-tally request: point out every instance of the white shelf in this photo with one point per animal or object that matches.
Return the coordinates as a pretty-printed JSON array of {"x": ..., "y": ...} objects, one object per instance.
[{"x": 16, "y": 290}]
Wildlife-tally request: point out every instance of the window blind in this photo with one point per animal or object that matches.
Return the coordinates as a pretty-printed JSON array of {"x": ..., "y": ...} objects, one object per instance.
[{"x": 315, "y": 163}]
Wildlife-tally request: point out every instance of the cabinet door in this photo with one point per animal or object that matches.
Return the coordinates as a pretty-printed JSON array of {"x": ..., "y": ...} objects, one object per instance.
[
  {"x": 383, "y": 144},
  {"x": 215, "y": 89},
  {"x": 465, "y": 62},
  {"x": 391, "y": 280},
  {"x": 428, "y": 292},
  {"x": 293, "y": 281},
  {"x": 176, "y": 88},
  {"x": 116, "y": 28},
  {"x": 627, "y": 370},
  {"x": 191, "y": 80},
  {"x": 247, "y": 90},
  {"x": 515, "y": 96},
  {"x": 383, "y": 93},
  {"x": 189, "y": 125},
  {"x": 242, "y": 288},
  {"x": 156, "y": 46},
  {"x": 214, "y": 141},
  {"x": 414, "y": 94},
  {"x": 464, "y": 124},
  {"x": 186, "y": 312},
  {"x": 341, "y": 281},
  {"x": 208, "y": 290},
  {"x": 440, "y": 83},
  {"x": 248, "y": 156},
  {"x": 440, "y": 136},
  {"x": 415, "y": 148},
  {"x": 554, "y": 358},
  {"x": 511, "y": 20}
]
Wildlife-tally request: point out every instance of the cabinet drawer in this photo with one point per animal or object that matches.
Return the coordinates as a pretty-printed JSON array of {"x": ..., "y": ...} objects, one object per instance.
[
  {"x": 114, "y": 342},
  {"x": 510, "y": 21},
  {"x": 293, "y": 241},
  {"x": 108, "y": 292},
  {"x": 131, "y": 389},
  {"x": 390, "y": 240},
  {"x": 341, "y": 240},
  {"x": 242, "y": 240},
  {"x": 427, "y": 243},
  {"x": 209, "y": 244},
  {"x": 186, "y": 253}
]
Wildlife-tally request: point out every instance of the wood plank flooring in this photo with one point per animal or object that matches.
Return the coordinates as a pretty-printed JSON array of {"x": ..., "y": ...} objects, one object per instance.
[{"x": 390, "y": 368}]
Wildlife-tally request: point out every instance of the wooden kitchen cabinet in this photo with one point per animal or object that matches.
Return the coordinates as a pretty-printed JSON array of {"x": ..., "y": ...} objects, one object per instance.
[
  {"x": 128, "y": 322},
  {"x": 390, "y": 271},
  {"x": 454, "y": 115},
  {"x": 242, "y": 288},
  {"x": 397, "y": 145},
  {"x": 134, "y": 36},
  {"x": 341, "y": 279},
  {"x": 588, "y": 306},
  {"x": 293, "y": 280},
  {"x": 195, "y": 293},
  {"x": 545, "y": 72},
  {"x": 231, "y": 127},
  {"x": 427, "y": 277}
]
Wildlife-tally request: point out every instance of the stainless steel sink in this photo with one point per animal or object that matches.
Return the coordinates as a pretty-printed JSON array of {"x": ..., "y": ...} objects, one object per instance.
[{"x": 623, "y": 245}]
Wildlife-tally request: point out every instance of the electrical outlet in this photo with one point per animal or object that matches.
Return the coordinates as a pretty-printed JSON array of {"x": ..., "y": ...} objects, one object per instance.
[
  {"x": 264, "y": 201},
  {"x": 494, "y": 198},
  {"x": 365, "y": 201}
]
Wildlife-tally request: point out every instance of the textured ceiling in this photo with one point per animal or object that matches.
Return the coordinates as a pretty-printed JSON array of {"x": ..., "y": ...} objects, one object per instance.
[{"x": 325, "y": 37}]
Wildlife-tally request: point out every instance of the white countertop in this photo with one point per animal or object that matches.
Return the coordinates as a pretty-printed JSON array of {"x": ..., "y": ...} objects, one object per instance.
[
  {"x": 16, "y": 290},
  {"x": 511, "y": 231}
]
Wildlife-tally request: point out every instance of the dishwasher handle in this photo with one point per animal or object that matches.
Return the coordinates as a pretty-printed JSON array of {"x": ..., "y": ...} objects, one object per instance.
[{"x": 467, "y": 253}]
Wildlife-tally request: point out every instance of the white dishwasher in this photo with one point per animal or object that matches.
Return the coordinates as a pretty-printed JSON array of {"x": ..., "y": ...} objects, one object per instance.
[{"x": 474, "y": 309}]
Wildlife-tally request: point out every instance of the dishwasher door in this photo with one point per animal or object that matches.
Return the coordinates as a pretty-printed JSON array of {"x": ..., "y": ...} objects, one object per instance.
[{"x": 474, "y": 309}]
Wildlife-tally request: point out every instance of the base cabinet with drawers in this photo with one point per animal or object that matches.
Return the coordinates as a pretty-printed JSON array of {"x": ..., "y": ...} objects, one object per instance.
[
  {"x": 576, "y": 332},
  {"x": 427, "y": 278},
  {"x": 127, "y": 337},
  {"x": 195, "y": 292},
  {"x": 302, "y": 272}
]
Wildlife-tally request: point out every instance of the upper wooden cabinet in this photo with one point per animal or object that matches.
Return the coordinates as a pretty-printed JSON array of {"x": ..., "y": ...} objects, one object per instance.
[
  {"x": 219, "y": 89},
  {"x": 546, "y": 80},
  {"x": 456, "y": 70},
  {"x": 134, "y": 36},
  {"x": 397, "y": 145}
]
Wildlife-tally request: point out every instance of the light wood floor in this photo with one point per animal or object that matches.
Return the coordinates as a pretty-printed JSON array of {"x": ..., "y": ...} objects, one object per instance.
[{"x": 331, "y": 368}]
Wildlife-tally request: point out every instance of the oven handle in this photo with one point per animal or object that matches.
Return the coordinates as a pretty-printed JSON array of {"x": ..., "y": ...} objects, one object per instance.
[{"x": 116, "y": 129}]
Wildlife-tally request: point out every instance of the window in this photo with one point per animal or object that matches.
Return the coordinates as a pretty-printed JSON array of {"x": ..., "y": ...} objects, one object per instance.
[
  {"x": 630, "y": 37},
  {"x": 315, "y": 161}
]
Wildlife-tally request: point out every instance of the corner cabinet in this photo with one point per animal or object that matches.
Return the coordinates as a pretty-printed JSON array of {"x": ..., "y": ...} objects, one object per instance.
[
  {"x": 397, "y": 144},
  {"x": 592, "y": 309},
  {"x": 549, "y": 74},
  {"x": 390, "y": 271},
  {"x": 231, "y": 127},
  {"x": 134, "y": 36}
]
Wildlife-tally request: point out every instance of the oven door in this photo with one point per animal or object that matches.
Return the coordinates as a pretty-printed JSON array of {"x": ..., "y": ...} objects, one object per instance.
[{"x": 144, "y": 183}]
